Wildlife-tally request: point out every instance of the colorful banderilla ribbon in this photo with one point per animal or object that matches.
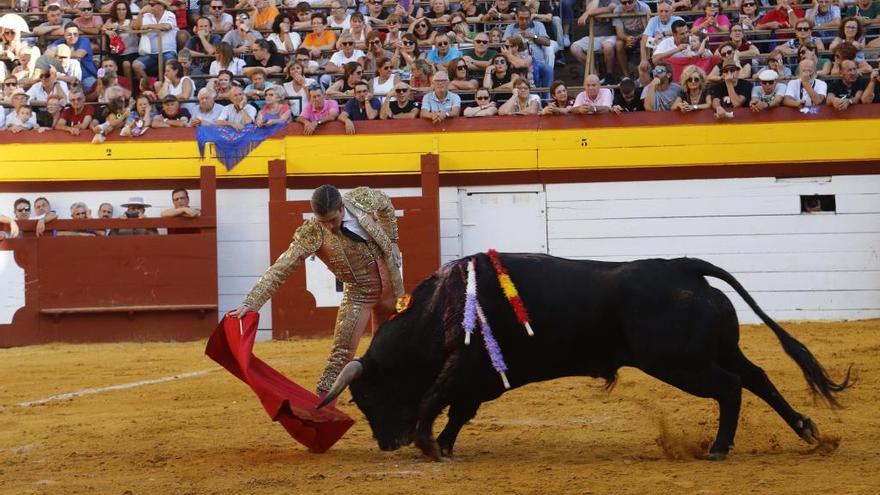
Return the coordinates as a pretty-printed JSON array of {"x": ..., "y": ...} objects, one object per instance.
[
  {"x": 510, "y": 291},
  {"x": 473, "y": 312}
]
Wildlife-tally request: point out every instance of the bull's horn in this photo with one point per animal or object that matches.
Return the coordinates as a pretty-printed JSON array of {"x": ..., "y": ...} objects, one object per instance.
[{"x": 348, "y": 374}]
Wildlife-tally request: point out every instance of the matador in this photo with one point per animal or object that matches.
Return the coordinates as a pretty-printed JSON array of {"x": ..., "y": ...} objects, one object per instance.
[{"x": 355, "y": 235}]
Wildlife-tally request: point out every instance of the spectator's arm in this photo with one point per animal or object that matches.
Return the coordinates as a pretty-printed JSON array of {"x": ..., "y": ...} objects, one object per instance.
[
  {"x": 13, "y": 227},
  {"x": 455, "y": 111},
  {"x": 649, "y": 97},
  {"x": 426, "y": 114},
  {"x": 871, "y": 88},
  {"x": 349, "y": 124},
  {"x": 385, "y": 110}
]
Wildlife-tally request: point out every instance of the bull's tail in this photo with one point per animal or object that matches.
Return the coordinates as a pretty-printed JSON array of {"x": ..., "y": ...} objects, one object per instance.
[{"x": 816, "y": 376}]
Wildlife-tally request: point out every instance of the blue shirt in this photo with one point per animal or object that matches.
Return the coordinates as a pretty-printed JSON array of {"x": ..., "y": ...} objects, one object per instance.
[
  {"x": 655, "y": 26},
  {"x": 431, "y": 103},
  {"x": 435, "y": 58},
  {"x": 537, "y": 51},
  {"x": 354, "y": 110},
  {"x": 87, "y": 62}
]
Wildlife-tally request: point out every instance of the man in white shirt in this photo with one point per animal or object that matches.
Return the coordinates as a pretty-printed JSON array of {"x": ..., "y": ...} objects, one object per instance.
[
  {"x": 48, "y": 85},
  {"x": 337, "y": 61},
  {"x": 155, "y": 17},
  {"x": 208, "y": 112},
  {"x": 673, "y": 46},
  {"x": 806, "y": 91},
  {"x": 238, "y": 113}
]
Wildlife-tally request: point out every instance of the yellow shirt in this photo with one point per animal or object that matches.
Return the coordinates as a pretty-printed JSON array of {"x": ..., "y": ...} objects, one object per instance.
[
  {"x": 265, "y": 20},
  {"x": 312, "y": 41}
]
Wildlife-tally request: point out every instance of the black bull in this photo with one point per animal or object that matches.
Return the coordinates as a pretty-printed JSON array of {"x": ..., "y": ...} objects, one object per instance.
[{"x": 590, "y": 318}]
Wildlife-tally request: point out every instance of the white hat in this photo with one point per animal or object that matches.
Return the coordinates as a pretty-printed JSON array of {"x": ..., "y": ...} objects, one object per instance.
[
  {"x": 136, "y": 201},
  {"x": 768, "y": 75}
]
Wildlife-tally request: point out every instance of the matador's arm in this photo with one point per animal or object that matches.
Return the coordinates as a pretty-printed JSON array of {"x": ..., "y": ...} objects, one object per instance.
[
  {"x": 306, "y": 241},
  {"x": 385, "y": 215}
]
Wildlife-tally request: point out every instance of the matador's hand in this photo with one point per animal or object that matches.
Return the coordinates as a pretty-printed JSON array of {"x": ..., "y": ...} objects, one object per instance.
[{"x": 240, "y": 311}]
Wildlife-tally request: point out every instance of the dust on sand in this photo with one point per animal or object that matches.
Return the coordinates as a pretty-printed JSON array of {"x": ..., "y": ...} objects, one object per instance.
[{"x": 207, "y": 434}]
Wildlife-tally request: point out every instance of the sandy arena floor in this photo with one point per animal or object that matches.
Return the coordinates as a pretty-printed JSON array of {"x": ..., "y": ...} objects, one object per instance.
[{"x": 208, "y": 434}]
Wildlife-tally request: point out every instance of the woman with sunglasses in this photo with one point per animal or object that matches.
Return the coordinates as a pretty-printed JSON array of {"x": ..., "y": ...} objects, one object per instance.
[
  {"x": 712, "y": 21},
  {"x": 458, "y": 76},
  {"x": 406, "y": 53},
  {"x": 518, "y": 57},
  {"x": 375, "y": 51},
  {"x": 424, "y": 32},
  {"x": 498, "y": 76},
  {"x": 693, "y": 95},
  {"x": 400, "y": 105},
  {"x": 385, "y": 81},
  {"x": 852, "y": 32},
  {"x": 523, "y": 102},
  {"x": 803, "y": 34},
  {"x": 297, "y": 85},
  {"x": 728, "y": 55},
  {"x": 483, "y": 105},
  {"x": 352, "y": 73},
  {"x": 393, "y": 36},
  {"x": 560, "y": 102},
  {"x": 748, "y": 15},
  {"x": 460, "y": 29}
]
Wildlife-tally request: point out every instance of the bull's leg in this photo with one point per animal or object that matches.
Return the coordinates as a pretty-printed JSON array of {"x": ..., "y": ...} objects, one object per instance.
[
  {"x": 460, "y": 412},
  {"x": 715, "y": 383},
  {"x": 756, "y": 381},
  {"x": 433, "y": 402}
]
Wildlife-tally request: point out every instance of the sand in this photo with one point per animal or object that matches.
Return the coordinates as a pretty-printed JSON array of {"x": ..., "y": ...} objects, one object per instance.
[{"x": 207, "y": 434}]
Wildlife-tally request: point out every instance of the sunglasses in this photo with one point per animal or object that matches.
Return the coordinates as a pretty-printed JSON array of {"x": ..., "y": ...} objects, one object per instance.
[
  {"x": 409, "y": 43},
  {"x": 482, "y": 42},
  {"x": 85, "y": 9},
  {"x": 462, "y": 67},
  {"x": 386, "y": 67},
  {"x": 501, "y": 62},
  {"x": 22, "y": 210},
  {"x": 10, "y": 84},
  {"x": 482, "y": 98},
  {"x": 750, "y": 4},
  {"x": 803, "y": 29},
  {"x": 730, "y": 71},
  {"x": 376, "y": 42},
  {"x": 695, "y": 79},
  {"x": 713, "y": 4},
  {"x": 726, "y": 53},
  {"x": 401, "y": 91},
  {"x": 768, "y": 82},
  {"x": 442, "y": 43},
  {"x": 626, "y": 2},
  {"x": 421, "y": 25}
]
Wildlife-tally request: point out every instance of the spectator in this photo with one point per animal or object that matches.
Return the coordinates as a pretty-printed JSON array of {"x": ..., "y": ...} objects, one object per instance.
[
  {"x": 203, "y": 41},
  {"x": 748, "y": 15},
  {"x": 394, "y": 36},
  {"x": 440, "y": 104},
  {"x": 626, "y": 99},
  {"x": 78, "y": 116},
  {"x": 806, "y": 91},
  {"x": 339, "y": 16},
  {"x": 534, "y": 35},
  {"x": 400, "y": 105},
  {"x": 480, "y": 56},
  {"x": 50, "y": 116},
  {"x": 846, "y": 91},
  {"x": 358, "y": 30},
  {"x": 320, "y": 39},
  {"x": 43, "y": 214},
  {"x": 109, "y": 64},
  {"x": 19, "y": 99},
  {"x": 262, "y": 11},
  {"x": 628, "y": 31},
  {"x": 78, "y": 211},
  {"x": 162, "y": 24},
  {"x": 660, "y": 93},
  {"x": 441, "y": 54},
  {"x": 222, "y": 85},
  {"x": 302, "y": 58},
  {"x": 70, "y": 72},
  {"x": 870, "y": 94},
  {"x": 498, "y": 76},
  {"x": 242, "y": 38},
  {"x": 803, "y": 32},
  {"x": 172, "y": 114},
  {"x": 256, "y": 90},
  {"x": 238, "y": 113},
  {"x": 208, "y": 111},
  {"x": 783, "y": 16},
  {"x": 265, "y": 59},
  {"x": 10, "y": 85},
  {"x": 346, "y": 55},
  {"x": 522, "y": 102},
  {"x": 423, "y": 30},
  {"x": 22, "y": 120},
  {"x": 55, "y": 22},
  {"x": 181, "y": 208},
  {"x": 712, "y": 20},
  {"x": 352, "y": 74},
  {"x": 118, "y": 25},
  {"x": 406, "y": 54},
  {"x": 499, "y": 11},
  {"x": 694, "y": 95},
  {"x": 135, "y": 208},
  {"x": 726, "y": 54},
  {"x": 460, "y": 30},
  {"x": 375, "y": 51},
  {"x": 483, "y": 105},
  {"x": 743, "y": 46},
  {"x": 297, "y": 88},
  {"x": 518, "y": 58},
  {"x": 140, "y": 120},
  {"x": 731, "y": 93},
  {"x": 676, "y": 45},
  {"x": 116, "y": 114},
  {"x": 868, "y": 11},
  {"x": 438, "y": 11},
  {"x": 317, "y": 111},
  {"x": 87, "y": 22},
  {"x": 221, "y": 22},
  {"x": 303, "y": 20},
  {"x": 660, "y": 26},
  {"x": 276, "y": 110},
  {"x": 377, "y": 15},
  {"x": 39, "y": 93},
  {"x": 28, "y": 69},
  {"x": 81, "y": 50},
  {"x": 593, "y": 99},
  {"x": 604, "y": 37},
  {"x": 383, "y": 84},
  {"x": 22, "y": 209},
  {"x": 769, "y": 93},
  {"x": 175, "y": 83},
  {"x": 851, "y": 32},
  {"x": 474, "y": 13},
  {"x": 458, "y": 75},
  {"x": 776, "y": 63},
  {"x": 823, "y": 15},
  {"x": 286, "y": 41},
  {"x": 226, "y": 60},
  {"x": 809, "y": 51},
  {"x": 364, "y": 106},
  {"x": 560, "y": 101}
]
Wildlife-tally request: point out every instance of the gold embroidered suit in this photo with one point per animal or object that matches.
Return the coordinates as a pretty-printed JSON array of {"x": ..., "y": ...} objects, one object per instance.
[{"x": 371, "y": 276}]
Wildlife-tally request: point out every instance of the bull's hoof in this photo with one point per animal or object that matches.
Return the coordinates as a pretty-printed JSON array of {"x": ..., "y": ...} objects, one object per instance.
[
  {"x": 446, "y": 451},
  {"x": 717, "y": 456},
  {"x": 429, "y": 447},
  {"x": 808, "y": 431}
]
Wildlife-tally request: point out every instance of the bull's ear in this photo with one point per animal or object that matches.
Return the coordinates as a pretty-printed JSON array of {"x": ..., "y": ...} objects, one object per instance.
[{"x": 348, "y": 374}]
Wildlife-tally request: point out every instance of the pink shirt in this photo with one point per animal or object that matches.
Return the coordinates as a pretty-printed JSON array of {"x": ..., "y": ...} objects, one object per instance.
[
  {"x": 310, "y": 114},
  {"x": 603, "y": 99}
]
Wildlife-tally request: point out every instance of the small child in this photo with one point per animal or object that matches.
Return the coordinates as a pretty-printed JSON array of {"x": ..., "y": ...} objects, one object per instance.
[
  {"x": 697, "y": 46},
  {"x": 23, "y": 120},
  {"x": 115, "y": 115},
  {"x": 138, "y": 121}
]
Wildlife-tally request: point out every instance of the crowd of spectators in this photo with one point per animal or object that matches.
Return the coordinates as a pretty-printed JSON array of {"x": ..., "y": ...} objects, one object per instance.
[
  {"x": 125, "y": 66},
  {"x": 43, "y": 213}
]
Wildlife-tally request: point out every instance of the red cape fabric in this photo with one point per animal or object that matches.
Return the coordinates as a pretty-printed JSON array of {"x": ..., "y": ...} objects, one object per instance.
[
  {"x": 231, "y": 345},
  {"x": 679, "y": 63}
]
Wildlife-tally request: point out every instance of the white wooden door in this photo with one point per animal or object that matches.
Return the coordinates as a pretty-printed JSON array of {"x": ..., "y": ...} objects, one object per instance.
[{"x": 512, "y": 220}]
